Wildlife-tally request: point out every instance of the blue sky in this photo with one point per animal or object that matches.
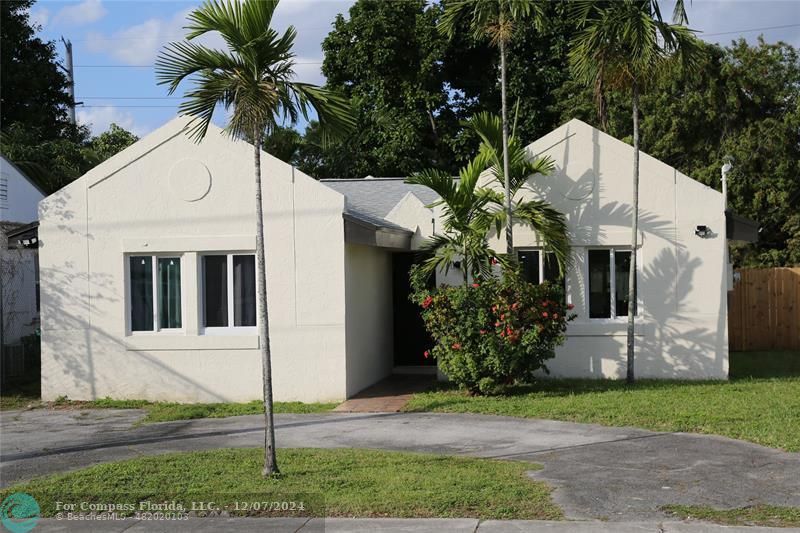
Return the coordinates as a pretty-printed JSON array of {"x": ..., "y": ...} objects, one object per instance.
[{"x": 115, "y": 43}]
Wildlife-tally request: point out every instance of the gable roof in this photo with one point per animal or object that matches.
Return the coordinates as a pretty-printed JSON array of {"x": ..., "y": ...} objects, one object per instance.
[
  {"x": 371, "y": 199},
  {"x": 25, "y": 176}
]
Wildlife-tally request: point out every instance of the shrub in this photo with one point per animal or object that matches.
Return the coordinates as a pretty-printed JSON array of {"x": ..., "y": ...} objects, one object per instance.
[{"x": 494, "y": 332}]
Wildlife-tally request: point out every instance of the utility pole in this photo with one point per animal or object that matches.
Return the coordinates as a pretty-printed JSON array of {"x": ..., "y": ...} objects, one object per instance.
[{"x": 70, "y": 79}]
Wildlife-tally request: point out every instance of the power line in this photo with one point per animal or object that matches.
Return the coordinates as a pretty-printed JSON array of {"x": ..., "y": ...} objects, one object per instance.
[
  {"x": 153, "y": 66},
  {"x": 129, "y": 97},
  {"x": 131, "y": 106},
  {"x": 750, "y": 30}
]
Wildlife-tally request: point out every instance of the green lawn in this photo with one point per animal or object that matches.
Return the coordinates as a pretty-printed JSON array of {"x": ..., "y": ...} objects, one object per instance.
[
  {"x": 758, "y": 515},
  {"x": 165, "y": 411},
  {"x": 354, "y": 483},
  {"x": 761, "y": 410}
]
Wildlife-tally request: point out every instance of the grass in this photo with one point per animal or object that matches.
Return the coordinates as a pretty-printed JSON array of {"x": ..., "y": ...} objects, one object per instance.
[
  {"x": 352, "y": 483},
  {"x": 758, "y": 515},
  {"x": 166, "y": 411},
  {"x": 761, "y": 410}
]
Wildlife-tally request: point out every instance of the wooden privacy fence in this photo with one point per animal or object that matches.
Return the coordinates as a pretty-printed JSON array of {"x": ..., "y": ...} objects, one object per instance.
[{"x": 764, "y": 310}]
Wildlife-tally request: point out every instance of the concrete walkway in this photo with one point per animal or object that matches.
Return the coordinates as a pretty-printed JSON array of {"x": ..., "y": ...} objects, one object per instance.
[
  {"x": 600, "y": 473},
  {"x": 390, "y": 525}
]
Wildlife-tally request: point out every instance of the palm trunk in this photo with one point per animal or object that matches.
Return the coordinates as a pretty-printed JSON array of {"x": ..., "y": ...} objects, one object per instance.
[
  {"x": 635, "y": 233},
  {"x": 506, "y": 165},
  {"x": 270, "y": 461}
]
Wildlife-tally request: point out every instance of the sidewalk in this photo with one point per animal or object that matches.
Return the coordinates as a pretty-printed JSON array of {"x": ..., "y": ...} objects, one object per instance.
[{"x": 391, "y": 525}]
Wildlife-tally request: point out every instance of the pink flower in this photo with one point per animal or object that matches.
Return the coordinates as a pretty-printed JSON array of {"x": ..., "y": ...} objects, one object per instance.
[
  {"x": 475, "y": 285},
  {"x": 426, "y": 303},
  {"x": 555, "y": 315},
  {"x": 544, "y": 303},
  {"x": 544, "y": 314},
  {"x": 426, "y": 354},
  {"x": 502, "y": 317},
  {"x": 494, "y": 260},
  {"x": 483, "y": 332},
  {"x": 514, "y": 306},
  {"x": 456, "y": 346},
  {"x": 570, "y": 306}
]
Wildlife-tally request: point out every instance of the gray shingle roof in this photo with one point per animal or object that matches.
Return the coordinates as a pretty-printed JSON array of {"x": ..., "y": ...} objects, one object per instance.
[{"x": 372, "y": 199}]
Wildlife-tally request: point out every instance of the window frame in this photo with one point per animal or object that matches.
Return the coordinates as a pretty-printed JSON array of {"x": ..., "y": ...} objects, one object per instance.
[
  {"x": 612, "y": 266},
  {"x": 230, "y": 329},
  {"x": 157, "y": 329}
]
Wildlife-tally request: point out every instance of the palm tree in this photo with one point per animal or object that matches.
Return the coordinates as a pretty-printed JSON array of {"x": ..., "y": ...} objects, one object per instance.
[
  {"x": 548, "y": 223},
  {"x": 254, "y": 79},
  {"x": 471, "y": 211},
  {"x": 496, "y": 19},
  {"x": 627, "y": 45}
]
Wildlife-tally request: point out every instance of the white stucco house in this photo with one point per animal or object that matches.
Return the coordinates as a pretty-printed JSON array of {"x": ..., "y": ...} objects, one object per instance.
[
  {"x": 19, "y": 310},
  {"x": 148, "y": 272}
]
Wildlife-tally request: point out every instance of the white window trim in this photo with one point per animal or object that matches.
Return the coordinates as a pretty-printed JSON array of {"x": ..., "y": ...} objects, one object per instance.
[
  {"x": 230, "y": 329},
  {"x": 612, "y": 284},
  {"x": 540, "y": 253},
  {"x": 157, "y": 329}
]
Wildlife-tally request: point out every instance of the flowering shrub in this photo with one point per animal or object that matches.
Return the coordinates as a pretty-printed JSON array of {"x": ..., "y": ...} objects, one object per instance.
[{"x": 494, "y": 332}]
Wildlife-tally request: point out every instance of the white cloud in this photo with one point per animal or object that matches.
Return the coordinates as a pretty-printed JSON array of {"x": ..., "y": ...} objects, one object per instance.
[
  {"x": 40, "y": 17},
  {"x": 82, "y": 13},
  {"x": 100, "y": 118}
]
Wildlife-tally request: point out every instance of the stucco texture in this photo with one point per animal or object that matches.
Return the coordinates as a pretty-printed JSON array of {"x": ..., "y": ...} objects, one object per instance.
[{"x": 155, "y": 197}]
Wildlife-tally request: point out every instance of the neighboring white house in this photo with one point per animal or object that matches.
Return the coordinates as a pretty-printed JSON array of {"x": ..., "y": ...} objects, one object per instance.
[
  {"x": 148, "y": 274},
  {"x": 19, "y": 313}
]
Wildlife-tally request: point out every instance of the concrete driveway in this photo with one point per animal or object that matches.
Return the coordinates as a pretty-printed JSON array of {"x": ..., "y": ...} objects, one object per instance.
[{"x": 619, "y": 474}]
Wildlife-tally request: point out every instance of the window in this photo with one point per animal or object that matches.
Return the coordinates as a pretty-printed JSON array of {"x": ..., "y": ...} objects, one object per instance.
[
  {"x": 229, "y": 291},
  {"x": 537, "y": 268},
  {"x": 154, "y": 292},
  {"x": 608, "y": 283}
]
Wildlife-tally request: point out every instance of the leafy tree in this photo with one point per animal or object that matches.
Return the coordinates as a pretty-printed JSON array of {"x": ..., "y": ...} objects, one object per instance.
[
  {"x": 386, "y": 57},
  {"x": 33, "y": 91},
  {"x": 497, "y": 20},
  {"x": 254, "y": 78},
  {"x": 54, "y": 163},
  {"x": 626, "y": 45},
  {"x": 283, "y": 142},
  {"x": 111, "y": 142}
]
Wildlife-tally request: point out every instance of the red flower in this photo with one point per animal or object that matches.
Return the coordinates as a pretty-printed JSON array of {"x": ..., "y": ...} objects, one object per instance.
[
  {"x": 514, "y": 306},
  {"x": 426, "y": 354},
  {"x": 570, "y": 306},
  {"x": 497, "y": 324},
  {"x": 544, "y": 303},
  {"x": 456, "y": 346},
  {"x": 475, "y": 285},
  {"x": 544, "y": 314},
  {"x": 502, "y": 333},
  {"x": 483, "y": 332},
  {"x": 509, "y": 331},
  {"x": 426, "y": 303}
]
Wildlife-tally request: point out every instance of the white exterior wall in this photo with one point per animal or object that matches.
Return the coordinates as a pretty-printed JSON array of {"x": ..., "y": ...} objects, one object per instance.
[
  {"x": 681, "y": 331},
  {"x": 370, "y": 328},
  {"x": 21, "y": 196},
  {"x": 136, "y": 204}
]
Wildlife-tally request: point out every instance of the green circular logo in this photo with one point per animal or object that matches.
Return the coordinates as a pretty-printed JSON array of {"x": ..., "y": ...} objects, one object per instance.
[{"x": 19, "y": 513}]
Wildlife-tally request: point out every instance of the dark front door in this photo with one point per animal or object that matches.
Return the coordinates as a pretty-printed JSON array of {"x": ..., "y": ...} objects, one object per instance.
[{"x": 410, "y": 337}]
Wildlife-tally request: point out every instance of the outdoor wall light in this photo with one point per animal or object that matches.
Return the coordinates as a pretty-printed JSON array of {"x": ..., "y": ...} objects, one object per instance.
[{"x": 702, "y": 231}]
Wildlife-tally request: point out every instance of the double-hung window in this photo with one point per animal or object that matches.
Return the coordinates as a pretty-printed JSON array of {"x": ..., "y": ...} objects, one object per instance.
[
  {"x": 155, "y": 293},
  {"x": 608, "y": 283},
  {"x": 229, "y": 292}
]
